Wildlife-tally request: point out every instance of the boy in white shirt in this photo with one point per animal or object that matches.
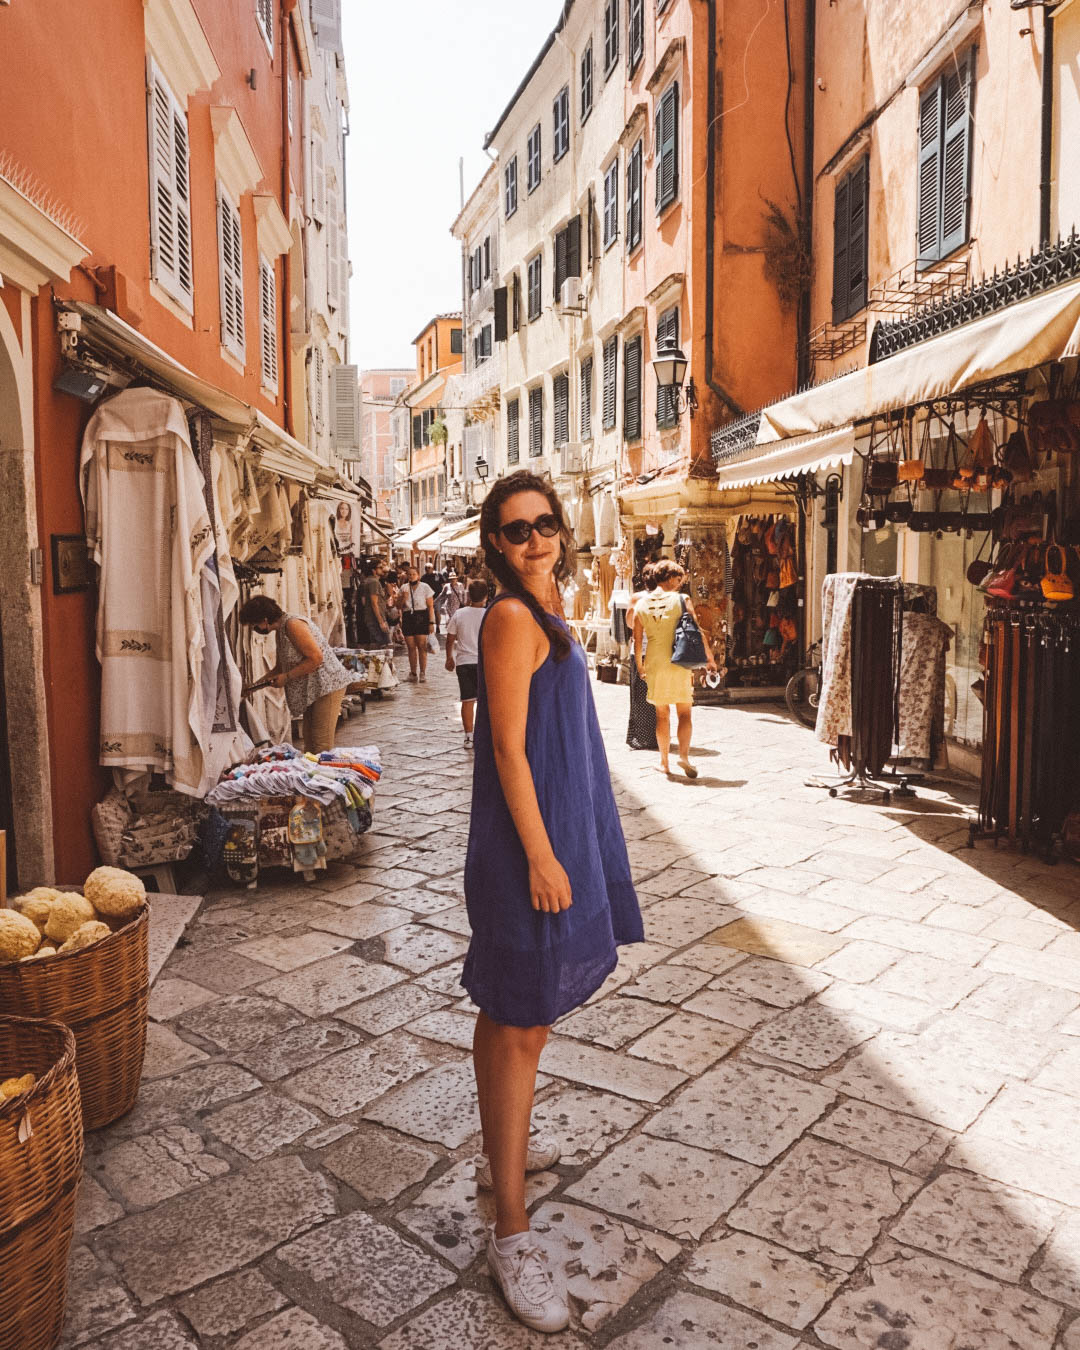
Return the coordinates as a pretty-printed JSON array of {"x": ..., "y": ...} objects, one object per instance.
[{"x": 462, "y": 651}]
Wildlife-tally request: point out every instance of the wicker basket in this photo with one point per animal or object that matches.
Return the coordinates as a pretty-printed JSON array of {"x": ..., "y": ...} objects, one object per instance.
[
  {"x": 39, "y": 1180},
  {"x": 101, "y": 992}
]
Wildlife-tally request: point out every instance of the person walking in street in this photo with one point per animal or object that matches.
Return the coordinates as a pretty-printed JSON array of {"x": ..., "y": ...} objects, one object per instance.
[
  {"x": 450, "y": 599},
  {"x": 547, "y": 879},
  {"x": 417, "y": 602},
  {"x": 655, "y": 619},
  {"x": 641, "y": 727},
  {"x": 462, "y": 646},
  {"x": 373, "y": 629},
  {"x": 313, "y": 678},
  {"x": 432, "y": 579}
]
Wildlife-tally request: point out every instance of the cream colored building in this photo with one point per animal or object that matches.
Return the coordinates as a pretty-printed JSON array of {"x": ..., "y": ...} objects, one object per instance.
[{"x": 555, "y": 142}]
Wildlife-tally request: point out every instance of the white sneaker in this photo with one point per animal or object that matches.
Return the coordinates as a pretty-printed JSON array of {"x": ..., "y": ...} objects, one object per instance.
[
  {"x": 423, "y": 679},
  {"x": 543, "y": 1152},
  {"x": 527, "y": 1286},
  {"x": 468, "y": 741}
]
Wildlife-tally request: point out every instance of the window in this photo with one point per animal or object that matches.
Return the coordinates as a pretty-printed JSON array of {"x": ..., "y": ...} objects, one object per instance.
[
  {"x": 231, "y": 273},
  {"x": 536, "y": 277},
  {"x": 417, "y": 432},
  {"x": 317, "y": 380},
  {"x": 501, "y": 332},
  {"x": 667, "y": 331},
  {"x": 515, "y": 303},
  {"x": 586, "y": 399},
  {"x": 398, "y": 385},
  {"x": 561, "y": 124},
  {"x": 455, "y": 345},
  {"x": 633, "y": 197},
  {"x": 268, "y": 324},
  {"x": 264, "y": 13},
  {"x": 536, "y": 421},
  {"x": 945, "y": 116},
  {"x": 561, "y": 399},
  {"x": 635, "y": 33},
  {"x": 667, "y": 147},
  {"x": 567, "y": 254},
  {"x": 632, "y": 389},
  {"x": 532, "y": 153},
  {"x": 611, "y": 203},
  {"x": 611, "y": 35},
  {"x": 482, "y": 345},
  {"x": 611, "y": 375},
  {"x": 850, "y": 241},
  {"x": 170, "y": 201},
  {"x": 290, "y": 97},
  {"x": 510, "y": 188},
  {"x": 487, "y": 258},
  {"x": 586, "y": 83},
  {"x": 513, "y": 446}
]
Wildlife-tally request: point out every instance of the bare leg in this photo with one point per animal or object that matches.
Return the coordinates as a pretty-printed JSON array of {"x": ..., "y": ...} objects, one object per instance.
[
  {"x": 504, "y": 1061},
  {"x": 685, "y": 731},
  {"x": 411, "y": 647},
  {"x": 663, "y": 733},
  {"x": 468, "y": 714},
  {"x": 422, "y": 653}
]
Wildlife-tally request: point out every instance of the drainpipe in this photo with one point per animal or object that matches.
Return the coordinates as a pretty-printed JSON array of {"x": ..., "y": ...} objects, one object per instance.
[
  {"x": 1047, "y": 142},
  {"x": 710, "y": 221},
  {"x": 286, "y": 155},
  {"x": 807, "y": 223}
]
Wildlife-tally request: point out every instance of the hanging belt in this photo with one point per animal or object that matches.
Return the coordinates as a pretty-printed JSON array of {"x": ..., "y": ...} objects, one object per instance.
[{"x": 1014, "y": 727}]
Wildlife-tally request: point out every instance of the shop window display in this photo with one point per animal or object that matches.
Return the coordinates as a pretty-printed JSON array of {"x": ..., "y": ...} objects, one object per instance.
[
  {"x": 764, "y": 623},
  {"x": 703, "y": 552}
]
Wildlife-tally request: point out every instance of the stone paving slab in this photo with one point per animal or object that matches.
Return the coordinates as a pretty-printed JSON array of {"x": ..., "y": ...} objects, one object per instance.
[{"x": 830, "y": 1103}]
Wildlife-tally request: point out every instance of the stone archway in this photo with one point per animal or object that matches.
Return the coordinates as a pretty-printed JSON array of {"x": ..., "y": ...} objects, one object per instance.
[{"x": 27, "y": 767}]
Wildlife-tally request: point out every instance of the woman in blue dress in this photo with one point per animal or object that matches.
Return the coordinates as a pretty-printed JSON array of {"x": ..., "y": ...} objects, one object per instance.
[{"x": 547, "y": 879}]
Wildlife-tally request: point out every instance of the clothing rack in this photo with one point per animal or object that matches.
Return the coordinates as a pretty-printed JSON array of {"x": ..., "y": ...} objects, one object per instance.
[{"x": 1031, "y": 726}]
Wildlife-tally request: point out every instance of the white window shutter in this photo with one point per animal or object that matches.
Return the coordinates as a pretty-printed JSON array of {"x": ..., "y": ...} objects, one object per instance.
[
  {"x": 268, "y": 323},
  {"x": 317, "y": 380},
  {"x": 326, "y": 17},
  {"x": 343, "y": 264},
  {"x": 231, "y": 272},
  {"x": 345, "y": 395},
  {"x": 333, "y": 240},
  {"x": 170, "y": 204},
  {"x": 318, "y": 181},
  {"x": 264, "y": 9}
]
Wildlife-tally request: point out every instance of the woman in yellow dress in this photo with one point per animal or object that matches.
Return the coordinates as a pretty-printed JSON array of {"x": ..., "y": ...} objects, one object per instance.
[{"x": 655, "y": 617}]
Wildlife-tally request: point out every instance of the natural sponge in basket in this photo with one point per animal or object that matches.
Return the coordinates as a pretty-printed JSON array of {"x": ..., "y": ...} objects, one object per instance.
[
  {"x": 69, "y": 911},
  {"x": 114, "y": 893},
  {"x": 19, "y": 937},
  {"x": 37, "y": 905},
  {"x": 86, "y": 936}
]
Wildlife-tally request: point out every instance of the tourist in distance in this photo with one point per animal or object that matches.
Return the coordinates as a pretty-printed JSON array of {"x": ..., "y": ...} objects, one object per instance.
[{"x": 462, "y": 645}]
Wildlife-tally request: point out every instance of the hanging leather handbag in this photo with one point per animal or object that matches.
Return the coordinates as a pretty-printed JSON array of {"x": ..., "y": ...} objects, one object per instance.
[
  {"x": 922, "y": 522},
  {"x": 788, "y": 575},
  {"x": 882, "y": 476},
  {"x": 911, "y": 471},
  {"x": 899, "y": 513},
  {"x": 1017, "y": 458},
  {"x": 981, "y": 449},
  {"x": 1056, "y": 584},
  {"x": 688, "y": 649},
  {"x": 937, "y": 480}
]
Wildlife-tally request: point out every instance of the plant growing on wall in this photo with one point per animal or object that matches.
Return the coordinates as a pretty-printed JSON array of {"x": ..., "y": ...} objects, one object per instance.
[
  {"x": 787, "y": 260},
  {"x": 438, "y": 433}
]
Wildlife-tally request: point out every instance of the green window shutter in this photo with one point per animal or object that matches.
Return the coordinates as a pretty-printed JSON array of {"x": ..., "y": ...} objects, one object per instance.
[
  {"x": 561, "y": 241},
  {"x": 417, "y": 432},
  {"x": 536, "y": 422},
  {"x": 667, "y": 329},
  {"x": 513, "y": 450},
  {"x": 573, "y": 247},
  {"x": 632, "y": 390},
  {"x": 667, "y": 155},
  {"x": 956, "y": 155},
  {"x": 841, "y": 221},
  {"x": 858, "y": 222},
  {"x": 929, "y": 212},
  {"x": 611, "y": 375},
  {"x": 501, "y": 307},
  {"x": 561, "y": 392},
  {"x": 586, "y": 399}
]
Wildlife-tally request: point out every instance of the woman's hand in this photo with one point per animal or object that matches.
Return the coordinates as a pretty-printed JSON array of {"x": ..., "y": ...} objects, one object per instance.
[
  {"x": 711, "y": 663},
  {"x": 641, "y": 670},
  {"x": 279, "y": 681},
  {"x": 549, "y": 886},
  {"x": 450, "y": 663}
]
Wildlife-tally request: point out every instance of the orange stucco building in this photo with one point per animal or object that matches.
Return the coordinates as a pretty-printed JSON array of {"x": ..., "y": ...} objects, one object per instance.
[
  {"x": 125, "y": 148},
  {"x": 438, "y": 356}
]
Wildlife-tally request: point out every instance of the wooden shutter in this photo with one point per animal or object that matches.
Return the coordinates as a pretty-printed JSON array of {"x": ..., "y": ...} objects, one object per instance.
[
  {"x": 632, "y": 390},
  {"x": 611, "y": 377},
  {"x": 536, "y": 421},
  {"x": 573, "y": 247},
  {"x": 268, "y": 323},
  {"x": 417, "y": 431},
  {"x": 516, "y": 302},
  {"x": 929, "y": 213},
  {"x": 170, "y": 203},
  {"x": 332, "y": 242},
  {"x": 561, "y": 391},
  {"x": 487, "y": 258},
  {"x": 326, "y": 18},
  {"x": 611, "y": 34},
  {"x": 667, "y": 330},
  {"x": 501, "y": 326},
  {"x": 231, "y": 271},
  {"x": 586, "y": 399},
  {"x": 841, "y": 222},
  {"x": 858, "y": 203},
  {"x": 635, "y": 35},
  {"x": 343, "y": 265},
  {"x": 633, "y": 197},
  {"x": 955, "y": 156},
  {"x": 345, "y": 403},
  {"x": 513, "y": 443},
  {"x": 265, "y": 11},
  {"x": 561, "y": 240},
  {"x": 318, "y": 181},
  {"x": 667, "y": 154}
]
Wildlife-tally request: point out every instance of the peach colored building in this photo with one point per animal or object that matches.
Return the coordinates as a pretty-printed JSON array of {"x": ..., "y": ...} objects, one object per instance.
[
  {"x": 380, "y": 391},
  {"x": 421, "y": 479}
]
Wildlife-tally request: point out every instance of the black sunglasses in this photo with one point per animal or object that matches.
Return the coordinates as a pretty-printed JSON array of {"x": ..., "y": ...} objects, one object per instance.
[{"x": 520, "y": 531}]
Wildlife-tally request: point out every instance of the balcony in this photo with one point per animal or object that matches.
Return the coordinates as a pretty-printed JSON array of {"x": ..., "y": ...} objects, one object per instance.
[{"x": 477, "y": 390}]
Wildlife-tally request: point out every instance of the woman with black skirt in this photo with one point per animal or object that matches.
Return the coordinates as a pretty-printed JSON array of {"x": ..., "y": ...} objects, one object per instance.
[{"x": 641, "y": 731}]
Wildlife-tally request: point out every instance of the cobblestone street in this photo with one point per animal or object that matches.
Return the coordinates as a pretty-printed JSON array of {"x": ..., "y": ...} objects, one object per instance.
[{"x": 830, "y": 1102}]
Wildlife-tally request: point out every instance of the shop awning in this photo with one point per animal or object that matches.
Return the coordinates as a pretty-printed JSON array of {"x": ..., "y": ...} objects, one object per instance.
[
  {"x": 370, "y": 523},
  {"x": 420, "y": 530},
  {"x": 469, "y": 542},
  {"x": 447, "y": 535},
  {"x": 1026, "y": 334},
  {"x": 784, "y": 459}
]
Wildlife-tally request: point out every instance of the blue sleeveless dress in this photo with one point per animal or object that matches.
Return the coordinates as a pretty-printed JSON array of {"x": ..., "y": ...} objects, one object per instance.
[{"x": 526, "y": 968}]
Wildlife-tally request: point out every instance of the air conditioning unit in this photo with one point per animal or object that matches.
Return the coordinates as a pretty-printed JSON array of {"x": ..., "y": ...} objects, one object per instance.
[
  {"x": 571, "y": 458},
  {"x": 572, "y": 296}
]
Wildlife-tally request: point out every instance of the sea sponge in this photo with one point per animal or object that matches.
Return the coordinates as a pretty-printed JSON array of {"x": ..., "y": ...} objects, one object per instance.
[
  {"x": 69, "y": 911},
  {"x": 19, "y": 937},
  {"x": 12, "y": 1087},
  {"x": 114, "y": 892},
  {"x": 37, "y": 905},
  {"x": 86, "y": 936},
  {"x": 46, "y": 949}
]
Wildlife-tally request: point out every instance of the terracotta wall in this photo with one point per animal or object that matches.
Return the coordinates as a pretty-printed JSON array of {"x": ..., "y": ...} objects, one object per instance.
[{"x": 89, "y": 154}]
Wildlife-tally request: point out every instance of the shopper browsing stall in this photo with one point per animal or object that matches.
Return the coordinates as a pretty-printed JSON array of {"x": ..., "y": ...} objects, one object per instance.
[{"x": 462, "y": 646}]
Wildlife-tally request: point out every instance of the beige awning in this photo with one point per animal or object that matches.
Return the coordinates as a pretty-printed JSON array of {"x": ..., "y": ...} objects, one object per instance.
[
  {"x": 1025, "y": 335},
  {"x": 784, "y": 459},
  {"x": 415, "y": 533},
  {"x": 447, "y": 534},
  {"x": 469, "y": 542}
]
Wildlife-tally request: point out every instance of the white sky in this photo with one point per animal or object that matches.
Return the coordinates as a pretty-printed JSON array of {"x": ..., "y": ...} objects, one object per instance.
[{"x": 427, "y": 80}]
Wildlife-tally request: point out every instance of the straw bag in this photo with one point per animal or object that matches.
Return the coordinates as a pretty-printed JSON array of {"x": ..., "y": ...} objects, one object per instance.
[{"x": 41, "y": 1148}]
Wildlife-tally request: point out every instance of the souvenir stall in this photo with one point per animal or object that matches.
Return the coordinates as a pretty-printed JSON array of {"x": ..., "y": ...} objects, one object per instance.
[
  {"x": 765, "y": 570},
  {"x": 701, "y": 548}
]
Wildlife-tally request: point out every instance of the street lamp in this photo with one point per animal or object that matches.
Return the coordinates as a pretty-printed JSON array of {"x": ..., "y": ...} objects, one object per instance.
[
  {"x": 481, "y": 467},
  {"x": 670, "y": 364}
]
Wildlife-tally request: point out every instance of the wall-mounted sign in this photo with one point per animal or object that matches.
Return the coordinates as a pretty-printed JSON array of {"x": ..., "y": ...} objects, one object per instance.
[{"x": 70, "y": 564}]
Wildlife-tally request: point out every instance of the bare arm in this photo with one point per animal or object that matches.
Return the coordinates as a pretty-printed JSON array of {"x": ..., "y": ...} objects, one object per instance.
[
  {"x": 704, "y": 635},
  {"x": 302, "y": 638},
  {"x": 514, "y": 649},
  {"x": 450, "y": 641},
  {"x": 639, "y": 641}
]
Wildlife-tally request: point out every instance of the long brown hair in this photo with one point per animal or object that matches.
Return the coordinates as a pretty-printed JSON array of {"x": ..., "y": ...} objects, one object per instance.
[{"x": 501, "y": 489}]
